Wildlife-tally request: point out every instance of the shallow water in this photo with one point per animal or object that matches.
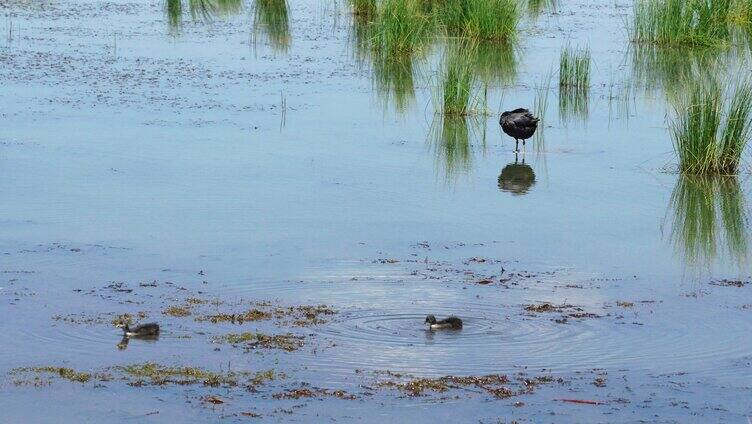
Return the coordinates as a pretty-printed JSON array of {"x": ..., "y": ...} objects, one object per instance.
[{"x": 243, "y": 156}]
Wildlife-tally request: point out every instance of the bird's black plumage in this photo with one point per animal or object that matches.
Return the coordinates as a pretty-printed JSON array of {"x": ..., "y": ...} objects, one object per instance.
[
  {"x": 143, "y": 330},
  {"x": 519, "y": 124},
  {"x": 451, "y": 322}
]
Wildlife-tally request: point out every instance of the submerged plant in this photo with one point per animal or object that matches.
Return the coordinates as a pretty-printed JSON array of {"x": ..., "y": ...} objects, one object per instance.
[
  {"x": 708, "y": 137},
  {"x": 271, "y": 19},
  {"x": 681, "y": 22}
]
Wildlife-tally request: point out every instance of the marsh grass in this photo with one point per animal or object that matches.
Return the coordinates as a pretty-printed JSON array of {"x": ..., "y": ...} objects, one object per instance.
[
  {"x": 363, "y": 8},
  {"x": 400, "y": 27},
  {"x": 495, "y": 20},
  {"x": 574, "y": 68},
  {"x": 459, "y": 93},
  {"x": 710, "y": 136},
  {"x": 681, "y": 22},
  {"x": 271, "y": 21},
  {"x": 709, "y": 212}
]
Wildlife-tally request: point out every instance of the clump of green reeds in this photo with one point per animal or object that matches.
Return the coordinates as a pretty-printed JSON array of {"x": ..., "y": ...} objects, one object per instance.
[
  {"x": 400, "y": 27},
  {"x": 271, "y": 18},
  {"x": 709, "y": 137},
  {"x": 363, "y": 8},
  {"x": 480, "y": 19},
  {"x": 574, "y": 68},
  {"x": 458, "y": 95},
  {"x": 681, "y": 22},
  {"x": 574, "y": 83}
]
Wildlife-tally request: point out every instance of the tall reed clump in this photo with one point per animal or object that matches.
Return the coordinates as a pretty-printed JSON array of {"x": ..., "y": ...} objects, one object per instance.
[
  {"x": 574, "y": 68},
  {"x": 365, "y": 8},
  {"x": 400, "y": 27},
  {"x": 681, "y": 22},
  {"x": 481, "y": 19},
  {"x": 574, "y": 83},
  {"x": 709, "y": 137},
  {"x": 458, "y": 96}
]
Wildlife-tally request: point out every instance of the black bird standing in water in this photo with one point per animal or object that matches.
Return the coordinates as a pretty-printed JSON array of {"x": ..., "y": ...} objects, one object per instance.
[{"x": 519, "y": 124}]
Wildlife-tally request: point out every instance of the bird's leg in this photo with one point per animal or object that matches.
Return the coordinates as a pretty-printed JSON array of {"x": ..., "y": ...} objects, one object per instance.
[{"x": 516, "y": 145}]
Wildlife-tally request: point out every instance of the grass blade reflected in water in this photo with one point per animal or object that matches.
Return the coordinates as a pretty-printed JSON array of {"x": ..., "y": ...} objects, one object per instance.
[{"x": 272, "y": 22}]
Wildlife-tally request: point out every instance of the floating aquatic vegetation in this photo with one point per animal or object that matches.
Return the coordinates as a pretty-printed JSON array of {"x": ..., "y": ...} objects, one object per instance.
[
  {"x": 707, "y": 213},
  {"x": 150, "y": 373},
  {"x": 236, "y": 318},
  {"x": 710, "y": 136},
  {"x": 61, "y": 372},
  {"x": 703, "y": 23},
  {"x": 305, "y": 392},
  {"x": 271, "y": 21},
  {"x": 251, "y": 341}
]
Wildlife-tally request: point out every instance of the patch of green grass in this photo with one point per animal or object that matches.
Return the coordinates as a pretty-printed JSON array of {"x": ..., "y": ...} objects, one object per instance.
[
  {"x": 271, "y": 19},
  {"x": 364, "y": 8},
  {"x": 458, "y": 95},
  {"x": 709, "y": 137},
  {"x": 495, "y": 20},
  {"x": 574, "y": 68},
  {"x": 400, "y": 27},
  {"x": 681, "y": 22}
]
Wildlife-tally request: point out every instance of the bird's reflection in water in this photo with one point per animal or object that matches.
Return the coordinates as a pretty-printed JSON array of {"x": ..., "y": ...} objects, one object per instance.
[
  {"x": 123, "y": 344},
  {"x": 517, "y": 178}
]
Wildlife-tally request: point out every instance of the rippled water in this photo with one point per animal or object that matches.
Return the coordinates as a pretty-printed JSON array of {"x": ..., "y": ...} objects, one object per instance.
[{"x": 249, "y": 151}]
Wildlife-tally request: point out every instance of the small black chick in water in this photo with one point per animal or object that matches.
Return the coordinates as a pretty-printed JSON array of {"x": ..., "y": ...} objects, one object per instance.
[
  {"x": 450, "y": 323},
  {"x": 519, "y": 124},
  {"x": 143, "y": 330}
]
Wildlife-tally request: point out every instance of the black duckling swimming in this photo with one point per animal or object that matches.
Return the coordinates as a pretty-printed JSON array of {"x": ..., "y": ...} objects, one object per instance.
[
  {"x": 450, "y": 323},
  {"x": 143, "y": 330},
  {"x": 519, "y": 124}
]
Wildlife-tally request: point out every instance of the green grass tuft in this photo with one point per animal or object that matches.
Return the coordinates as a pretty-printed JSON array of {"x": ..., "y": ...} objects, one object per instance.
[
  {"x": 495, "y": 20},
  {"x": 400, "y": 27},
  {"x": 708, "y": 136},
  {"x": 681, "y": 22}
]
